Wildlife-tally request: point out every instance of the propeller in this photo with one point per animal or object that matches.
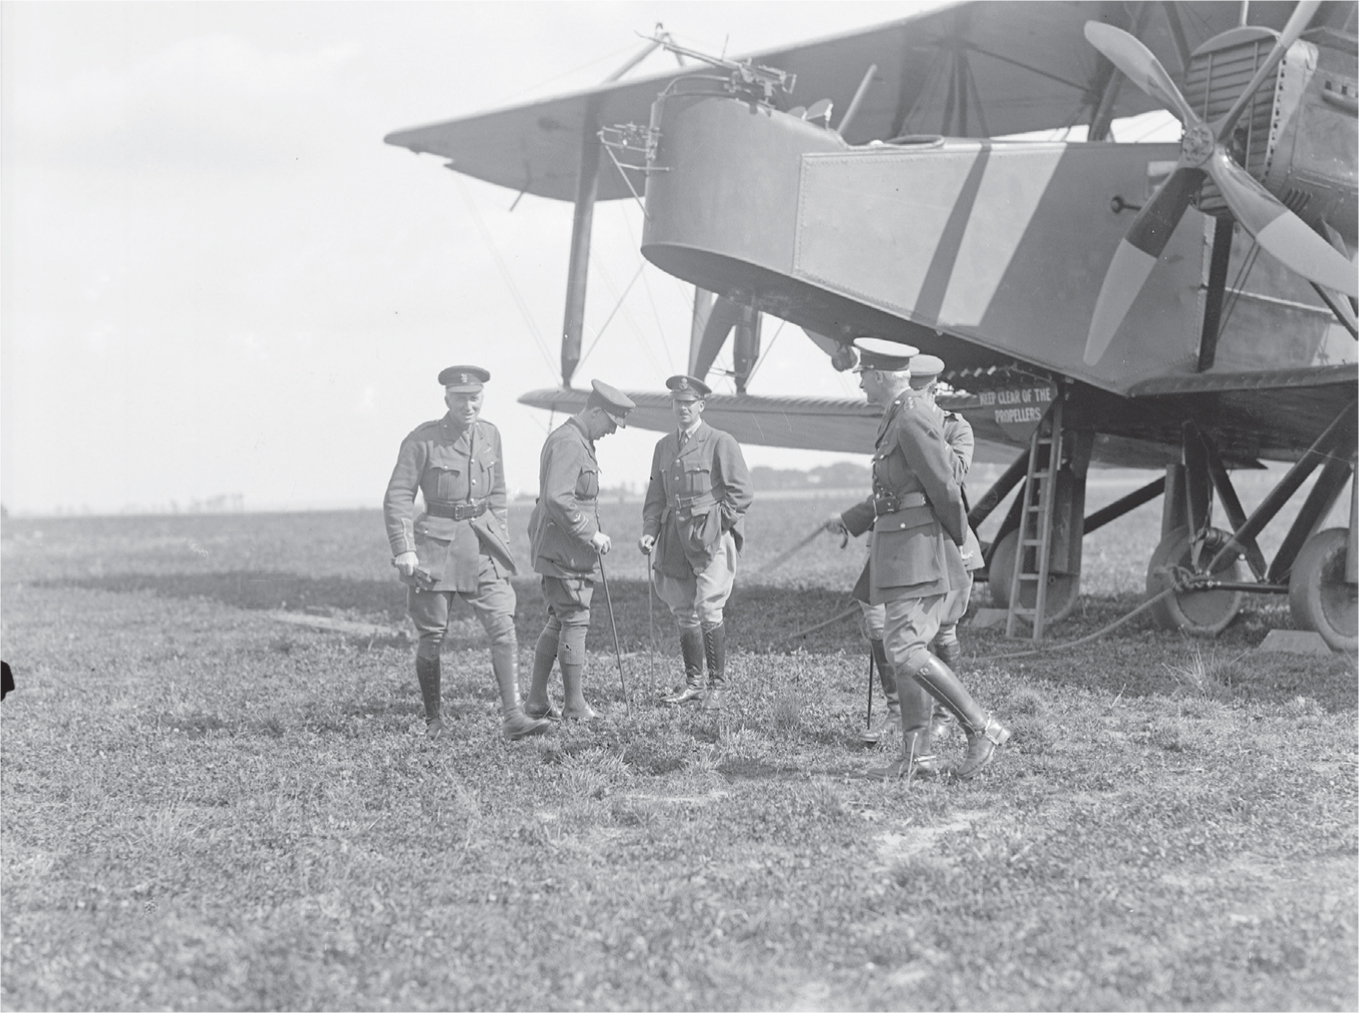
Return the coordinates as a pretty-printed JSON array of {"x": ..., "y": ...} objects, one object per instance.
[{"x": 1203, "y": 153}]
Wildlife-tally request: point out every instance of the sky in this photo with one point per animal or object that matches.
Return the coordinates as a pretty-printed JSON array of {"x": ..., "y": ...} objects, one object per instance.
[{"x": 216, "y": 279}]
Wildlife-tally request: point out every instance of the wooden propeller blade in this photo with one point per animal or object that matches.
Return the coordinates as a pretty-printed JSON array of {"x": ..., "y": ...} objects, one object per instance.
[
  {"x": 1141, "y": 67},
  {"x": 1153, "y": 225},
  {"x": 1136, "y": 256},
  {"x": 1297, "y": 21},
  {"x": 1282, "y": 233}
]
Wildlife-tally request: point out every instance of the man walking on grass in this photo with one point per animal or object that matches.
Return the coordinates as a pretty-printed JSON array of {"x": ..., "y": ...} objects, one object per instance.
[
  {"x": 957, "y": 432},
  {"x": 695, "y": 502},
  {"x": 459, "y": 545},
  {"x": 915, "y": 511},
  {"x": 567, "y": 545}
]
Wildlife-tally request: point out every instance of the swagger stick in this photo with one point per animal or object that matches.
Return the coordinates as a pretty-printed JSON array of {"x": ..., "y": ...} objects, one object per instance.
[{"x": 617, "y": 648}]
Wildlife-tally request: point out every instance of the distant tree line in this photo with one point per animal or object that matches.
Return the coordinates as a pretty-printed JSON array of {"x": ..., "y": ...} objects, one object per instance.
[{"x": 840, "y": 475}]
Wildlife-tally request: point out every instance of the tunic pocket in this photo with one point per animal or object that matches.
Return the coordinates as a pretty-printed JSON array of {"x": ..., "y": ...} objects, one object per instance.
[
  {"x": 587, "y": 485},
  {"x": 904, "y": 555},
  {"x": 697, "y": 480},
  {"x": 445, "y": 468},
  {"x": 432, "y": 553}
]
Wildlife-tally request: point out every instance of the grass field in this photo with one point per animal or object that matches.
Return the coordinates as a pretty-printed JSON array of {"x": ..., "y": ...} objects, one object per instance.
[{"x": 206, "y": 808}]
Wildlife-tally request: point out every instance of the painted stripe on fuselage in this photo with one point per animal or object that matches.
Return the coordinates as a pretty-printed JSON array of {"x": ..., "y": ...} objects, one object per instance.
[
  {"x": 944, "y": 262},
  {"x": 1011, "y": 188},
  {"x": 895, "y": 203}
]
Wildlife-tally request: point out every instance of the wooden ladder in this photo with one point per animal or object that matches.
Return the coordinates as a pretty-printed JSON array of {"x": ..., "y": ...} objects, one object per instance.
[{"x": 1035, "y": 524}]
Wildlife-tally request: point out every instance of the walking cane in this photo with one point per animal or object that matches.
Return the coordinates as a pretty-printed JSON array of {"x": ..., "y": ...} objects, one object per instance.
[
  {"x": 651, "y": 626},
  {"x": 618, "y": 650},
  {"x": 868, "y": 721}
]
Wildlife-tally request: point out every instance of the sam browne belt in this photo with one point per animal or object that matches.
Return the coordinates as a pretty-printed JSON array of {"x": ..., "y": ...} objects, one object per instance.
[
  {"x": 457, "y": 511},
  {"x": 886, "y": 503},
  {"x": 693, "y": 503}
]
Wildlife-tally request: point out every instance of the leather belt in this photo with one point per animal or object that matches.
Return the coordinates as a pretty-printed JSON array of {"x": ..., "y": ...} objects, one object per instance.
[
  {"x": 457, "y": 511},
  {"x": 886, "y": 503},
  {"x": 703, "y": 501}
]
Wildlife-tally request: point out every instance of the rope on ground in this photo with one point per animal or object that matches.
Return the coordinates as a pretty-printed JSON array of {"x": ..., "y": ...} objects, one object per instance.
[
  {"x": 1020, "y": 654},
  {"x": 1083, "y": 640},
  {"x": 833, "y": 619}
]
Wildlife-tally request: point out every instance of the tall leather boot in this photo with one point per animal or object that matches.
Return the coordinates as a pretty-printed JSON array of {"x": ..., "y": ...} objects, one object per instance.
[
  {"x": 544, "y": 655},
  {"x": 888, "y": 679},
  {"x": 427, "y": 674},
  {"x": 984, "y": 733},
  {"x": 950, "y": 654},
  {"x": 916, "y": 759},
  {"x": 715, "y": 649},
  {"x": 691, "y": 649},
  {"x": 515, "y": 723}
]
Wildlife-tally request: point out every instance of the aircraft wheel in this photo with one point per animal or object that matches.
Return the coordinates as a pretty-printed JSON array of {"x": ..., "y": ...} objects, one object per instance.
[
  {"x": 1318, "y": 595},
  {"x": 1205, "y": 613},
  {"x": 1063, "y": 588}
]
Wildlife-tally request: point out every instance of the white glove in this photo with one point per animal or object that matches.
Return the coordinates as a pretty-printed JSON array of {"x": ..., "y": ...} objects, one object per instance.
[{"x": 406, "y": 562}]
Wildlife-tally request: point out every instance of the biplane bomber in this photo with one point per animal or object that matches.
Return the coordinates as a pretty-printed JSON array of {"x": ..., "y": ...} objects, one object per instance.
[{"x": 1188, "y": 307}]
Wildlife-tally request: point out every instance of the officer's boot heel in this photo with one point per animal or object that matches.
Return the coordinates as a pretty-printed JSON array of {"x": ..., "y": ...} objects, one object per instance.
[
  {"x": 691, "y": 649},
  {"x": 984, "y": 733},
  {"x": 891, "y": 719},
  {"x": 951, "y": 655},
  {"x": 916, "y": 759},
  {"x": 428, "y": 675},
  {"x": 514, "y": 722}
]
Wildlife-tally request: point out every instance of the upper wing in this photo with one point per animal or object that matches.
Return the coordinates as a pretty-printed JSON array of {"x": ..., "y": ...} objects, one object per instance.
[{"x": 980, "y": 69}]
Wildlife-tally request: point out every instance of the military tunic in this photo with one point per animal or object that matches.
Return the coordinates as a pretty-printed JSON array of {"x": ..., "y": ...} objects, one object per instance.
[
  {"x": 461, "y": 538},
  {"x": 565, "y": 516},
  {"x": 916, "y": 508},
  {"x": 463, "y": 529},
  {"x": 697, "y": 493}
]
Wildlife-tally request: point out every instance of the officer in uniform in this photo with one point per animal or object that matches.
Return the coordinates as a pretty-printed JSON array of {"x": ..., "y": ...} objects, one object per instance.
[
  {"x": 957, "y": 431},
  {"x": 925, "y": 370},
  {"x": 915, "y": 510},
  {"x": 566, "y": 545},
  {"x": 695, "y": 502},
  {"x": 459, "y": 545}
]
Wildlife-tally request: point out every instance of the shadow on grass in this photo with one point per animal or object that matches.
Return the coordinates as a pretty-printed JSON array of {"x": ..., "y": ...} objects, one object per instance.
[
  {"x": 258, "y": 589},
  {"x": 758, "y": 619}
]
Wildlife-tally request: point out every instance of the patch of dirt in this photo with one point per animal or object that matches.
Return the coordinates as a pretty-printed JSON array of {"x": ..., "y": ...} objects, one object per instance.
[
  {"x": 754, "y": 769},
  {"x": 912, "y": 841}
]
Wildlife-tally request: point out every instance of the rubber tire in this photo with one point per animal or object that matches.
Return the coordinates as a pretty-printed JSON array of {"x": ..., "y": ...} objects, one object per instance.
[
  {"x": 1318, "y": 596},
  {"x": 1064, "y": 589},
  {"x": 1202, "y": 613}
]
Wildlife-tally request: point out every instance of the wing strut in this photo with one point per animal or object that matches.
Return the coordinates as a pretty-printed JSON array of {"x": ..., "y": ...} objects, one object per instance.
[
  {"x": 582, "y": 224},
  {"x": 577, "y": 273}
]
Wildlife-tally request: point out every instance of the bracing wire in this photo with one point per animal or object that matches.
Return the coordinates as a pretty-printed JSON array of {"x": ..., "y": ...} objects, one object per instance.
[
  {"x": 505, "y": 274},
  {"x": 608, "y": 280},
  {"x": 567, "y": 73},
  {"x": 767, "y": 349},
  {"x": 655, "y": 309},
  {"x": 609, "y": 319},
  {"x": 1247, "y": 265}
]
